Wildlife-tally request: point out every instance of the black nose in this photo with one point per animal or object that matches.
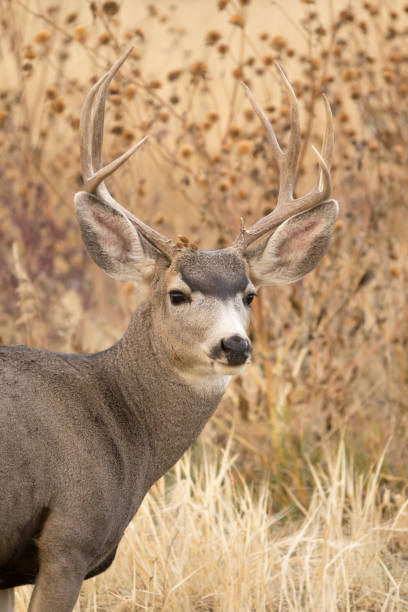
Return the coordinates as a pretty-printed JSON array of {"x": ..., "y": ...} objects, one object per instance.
[{"x": 236, "y": 349}]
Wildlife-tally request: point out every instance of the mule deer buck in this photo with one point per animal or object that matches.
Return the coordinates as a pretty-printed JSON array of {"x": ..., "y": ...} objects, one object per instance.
[{"x": 84, "y": 437}]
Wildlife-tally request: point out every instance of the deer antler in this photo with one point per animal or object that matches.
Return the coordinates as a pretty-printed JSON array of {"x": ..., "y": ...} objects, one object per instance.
[
  {"x": 287, "y": 206},
  {"x": 91, "y": 140}
]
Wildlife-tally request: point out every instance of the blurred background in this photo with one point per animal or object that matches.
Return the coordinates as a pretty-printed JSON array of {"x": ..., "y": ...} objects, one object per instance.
[{"x": 330, "y": 363}]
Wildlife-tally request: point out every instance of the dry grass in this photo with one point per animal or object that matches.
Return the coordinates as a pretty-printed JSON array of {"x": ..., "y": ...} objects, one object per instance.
[
  {"x": 205, "y": 540},
  {"x": 331, "y": 365}
]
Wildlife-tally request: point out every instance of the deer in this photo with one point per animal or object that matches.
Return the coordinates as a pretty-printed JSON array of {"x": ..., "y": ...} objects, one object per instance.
[{"x": 84, "y": 437}]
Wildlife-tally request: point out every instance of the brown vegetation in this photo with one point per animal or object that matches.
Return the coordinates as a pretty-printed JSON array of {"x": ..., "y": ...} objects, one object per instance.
[{"x": 331, "y": 352}]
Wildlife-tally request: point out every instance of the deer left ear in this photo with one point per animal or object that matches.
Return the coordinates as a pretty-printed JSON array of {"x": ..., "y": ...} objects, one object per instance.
[{"x": 295, "y": 248}]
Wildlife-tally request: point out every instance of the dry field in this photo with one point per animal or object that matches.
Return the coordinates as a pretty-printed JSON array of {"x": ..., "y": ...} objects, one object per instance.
[{"x": 295, "y": 497}]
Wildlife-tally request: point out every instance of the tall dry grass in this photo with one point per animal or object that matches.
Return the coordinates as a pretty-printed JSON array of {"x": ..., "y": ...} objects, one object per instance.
[
  {"x": 205, "y": 540},
  {"x": 330, "y": 373}
]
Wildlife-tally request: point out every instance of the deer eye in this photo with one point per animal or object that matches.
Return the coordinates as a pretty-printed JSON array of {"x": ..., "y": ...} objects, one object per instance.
[
  {"x": 249, "y": 298},
  {"x": 178, "y": 297}
]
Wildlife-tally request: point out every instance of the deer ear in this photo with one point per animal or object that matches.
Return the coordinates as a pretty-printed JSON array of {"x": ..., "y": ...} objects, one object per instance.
[
  {"x": 295, "y": 248},
  {"x": 111, "y": 240}
]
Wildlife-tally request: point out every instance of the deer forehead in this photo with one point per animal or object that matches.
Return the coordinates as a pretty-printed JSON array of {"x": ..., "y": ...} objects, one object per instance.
[{"x": 220, "y": 273}]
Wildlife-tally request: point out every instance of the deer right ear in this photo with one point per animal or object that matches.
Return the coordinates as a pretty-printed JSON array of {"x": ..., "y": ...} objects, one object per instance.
[
  {"x": 295, "y": 248},
  {"x": 111, "y": 240}
]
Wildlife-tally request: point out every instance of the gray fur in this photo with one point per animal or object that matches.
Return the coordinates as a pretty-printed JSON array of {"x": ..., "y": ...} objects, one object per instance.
[
  {"x": 82, "y": 439},
  {"x": 218, "y": 273}
]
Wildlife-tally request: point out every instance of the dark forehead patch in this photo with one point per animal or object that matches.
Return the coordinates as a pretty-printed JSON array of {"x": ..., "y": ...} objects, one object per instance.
[{"x": 218, "y": 273}]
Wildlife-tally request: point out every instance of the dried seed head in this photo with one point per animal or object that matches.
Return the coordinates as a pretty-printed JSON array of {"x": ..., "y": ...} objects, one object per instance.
[
  {"x": 245, "y": 147},
  {"x": 224, "y": 185},
  {"x": 363, "y": 26},
  {"x": 155, "y": 84},
  {"x": 110, "y": 8},
  {"x": 128, "y": 135},
  {"x": 235, "y": 131},
  {"x": 51, "y": 93},
  {"x": 350, "y": 74},
  {"x": 186, "y": 151},
  {"x": 3, "y": 116},
  {"x": 397, "y": 56},
  {"x": 278, "y": 43},
  {"x": 80, "y": 33},
  {"x": 58, "y": 105},
  {"x": 238, "y": 73},
  {"x": 159, "y": 219},
  {"x": 343, "y": 117},
  {"x": 173, "y": 75},
  {"x": 212, "y": 116},
  {"x": 315, "y": 63},
  {"x": 212, "y": 37},
  {"x": 198, "y": 69},
  {"x": 71, "y": 17},
  {"x": 222, "y": 4},
  {"x": 42, "y": 36},
  {"x": 237, "y": 20},
  {"x": 395, "y": 271},
  {"x": 29, "y": 53},
  {"x": 222, "y": 48},
  {"x": 399, "y": 152},
  {"x": 389, "y": 75},
  {"x": 130, "y": 91},
  {"x": 164, "y": 116},
  {"x": 74, "y": 122},
  {"x": 104, "y": 38},
  {"x": 268, "y": 60}
]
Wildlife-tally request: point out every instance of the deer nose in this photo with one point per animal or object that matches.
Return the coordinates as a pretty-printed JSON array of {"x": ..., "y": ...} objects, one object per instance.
[{"x": 236, "y": 349}]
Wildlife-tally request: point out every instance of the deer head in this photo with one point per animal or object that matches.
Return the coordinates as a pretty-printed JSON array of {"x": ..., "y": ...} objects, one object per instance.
[{"x": 201, "y": 299}]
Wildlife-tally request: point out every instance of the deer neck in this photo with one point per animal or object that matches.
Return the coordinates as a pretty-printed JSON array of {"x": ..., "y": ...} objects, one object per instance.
[{"x": 172, "y": 409}]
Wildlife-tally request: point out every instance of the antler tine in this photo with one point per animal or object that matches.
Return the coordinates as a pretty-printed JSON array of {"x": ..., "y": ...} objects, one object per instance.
[
  {"x": 92, "y": 134},
  {"x": 328, "y": 141},
  {"x": 85, "y": 132},
  {"x": 287, "y": 206},
  {"x": 288, "y": 172},
  {"x": 91, "y": 140},
  {"x": 99, "y": 114},
  {"x": 277, "y": 151}
]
